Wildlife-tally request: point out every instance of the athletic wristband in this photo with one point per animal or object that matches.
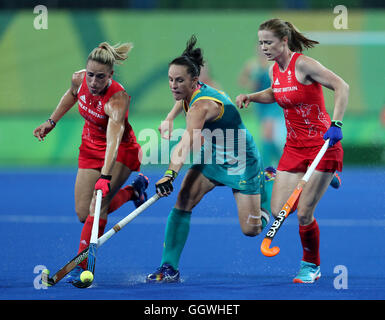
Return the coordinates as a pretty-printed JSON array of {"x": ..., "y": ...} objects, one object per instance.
[
  {"x": 107, "y": 177},
  {"x": 171, "y": 173},
  {"x": 337, "y": 123},
  {"x": 51, "y": 122}
]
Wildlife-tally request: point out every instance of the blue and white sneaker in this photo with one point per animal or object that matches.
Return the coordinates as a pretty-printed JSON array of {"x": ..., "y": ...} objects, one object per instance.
[
  {"x": 140, "y": 185},
  {"x": 308, "y": 273},
  {"x": 164, "y": 274},
  {"x": 74, "y": 275},
  {"x": 336, "y": 181},
  {"x": 74, "y": 278}
]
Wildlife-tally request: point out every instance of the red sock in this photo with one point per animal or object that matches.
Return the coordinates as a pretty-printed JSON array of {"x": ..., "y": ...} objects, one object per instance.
[
  {"x": 121, "y": 197},
  {"x": 310, "y": 242},
  {"x": 85, "y": 236}
]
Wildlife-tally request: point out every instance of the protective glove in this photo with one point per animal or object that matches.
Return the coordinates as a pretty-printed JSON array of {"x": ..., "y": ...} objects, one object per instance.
[
  {"x": 164, "y": 186},
  {"x": 334, "y": 133},
  {"x": 103, "y": 184}
]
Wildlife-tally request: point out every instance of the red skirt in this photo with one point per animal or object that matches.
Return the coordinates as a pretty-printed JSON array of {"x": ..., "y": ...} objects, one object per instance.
[
  {"x": 92, "y": 156},
  {"x": 299, "y": 159}
]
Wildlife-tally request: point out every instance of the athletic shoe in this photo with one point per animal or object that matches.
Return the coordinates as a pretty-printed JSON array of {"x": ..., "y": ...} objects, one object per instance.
[
  {"x": 74, "y": 275},
  {"x": 270, "y": 173},
  {"x": 265, "y": 217},
  {"x": 336, "y": 181},
  {"x": 74, "y": 278},
  {"x": 140, "y": 184},
  {"x": 308, "y": 273},
  {"x": 165, "y": 273}
]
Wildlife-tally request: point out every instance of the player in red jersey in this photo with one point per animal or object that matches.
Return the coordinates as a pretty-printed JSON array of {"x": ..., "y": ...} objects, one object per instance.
[
  {"x": 109, "y": 151},
  {"x": 296, "y": 85}
]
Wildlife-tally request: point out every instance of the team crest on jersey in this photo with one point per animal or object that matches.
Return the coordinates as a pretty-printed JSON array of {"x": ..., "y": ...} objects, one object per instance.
[
  {"x": 289, "y": 76},
  {"x": 276, "y": 82},
  {"x": 99, "y": 106},
  {"x": 242, "y": 182}
]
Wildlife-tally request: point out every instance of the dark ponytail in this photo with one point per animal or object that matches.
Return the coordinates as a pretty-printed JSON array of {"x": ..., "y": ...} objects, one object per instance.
[
  {"x": 191, "y": 58},
  {"x": 296, "y": 40}
]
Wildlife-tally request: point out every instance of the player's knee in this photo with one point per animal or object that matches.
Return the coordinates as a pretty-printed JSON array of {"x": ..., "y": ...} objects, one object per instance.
[
  {"x": 185, "y": 199},
  {"x": 82, "y": 213},
  {"x": 252, "y": 228},
  {"x": 304, "y": 215},
  {"x": 183, "y": 196},
  {"x": 304, "y": 220},
  {"x": 251, "y": 225},
  {"x": 82, "y": 218},
  {"x": 251, "y": 231}
]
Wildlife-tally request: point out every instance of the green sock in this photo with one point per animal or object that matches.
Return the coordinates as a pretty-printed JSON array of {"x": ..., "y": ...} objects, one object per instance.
[{"x": 177, "y": 230}]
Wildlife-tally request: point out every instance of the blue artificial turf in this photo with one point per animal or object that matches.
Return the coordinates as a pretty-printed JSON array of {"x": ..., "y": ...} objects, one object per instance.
[{"x": 38, "y": 227}]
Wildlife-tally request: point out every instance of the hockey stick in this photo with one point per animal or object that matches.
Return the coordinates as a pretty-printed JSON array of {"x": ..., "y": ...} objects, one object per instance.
[
  {"x": 70, "y": 265},
  {"x": 94, "y": 233},
  {"x": 93, "y": 246},
  {"x": 289, "y": 205}
]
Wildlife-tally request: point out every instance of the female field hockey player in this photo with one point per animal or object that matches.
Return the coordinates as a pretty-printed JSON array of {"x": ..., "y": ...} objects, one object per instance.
[
  {"x": 208, "y": 112},
  {"x": 109, "y": 151},
  {"x": 296, "y": 85}
]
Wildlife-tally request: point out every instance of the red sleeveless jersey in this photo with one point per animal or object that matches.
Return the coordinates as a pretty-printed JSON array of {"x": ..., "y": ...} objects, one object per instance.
[
  {"x": 91, "y": 109},
  {"x": 304, "y": 107}
]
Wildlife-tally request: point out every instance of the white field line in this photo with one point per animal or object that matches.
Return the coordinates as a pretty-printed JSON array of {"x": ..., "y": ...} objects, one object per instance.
[
  {"x": 40, "y": 219},
  {"x": 342, "y": 38}
]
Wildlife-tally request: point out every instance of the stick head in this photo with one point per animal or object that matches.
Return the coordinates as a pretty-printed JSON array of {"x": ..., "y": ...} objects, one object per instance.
[
  {"x": 45, "y": 279},
  {"x": 85, "y": 280},
  {"x": 266, "y": 250}
]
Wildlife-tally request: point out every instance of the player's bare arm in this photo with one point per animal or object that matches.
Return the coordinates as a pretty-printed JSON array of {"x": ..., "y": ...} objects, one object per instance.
[
  {"x": 308, "y": 70},
  {"x": 196, "y": 117},
  {"x": 65, "y": 104},
  {"x": 265, "y": 96},
  {"x": 166, "y": 126},
  {"x": 69, "y": 98},
  {"x": 116, "y": 109},
  {"x": 198, "y": 114}
]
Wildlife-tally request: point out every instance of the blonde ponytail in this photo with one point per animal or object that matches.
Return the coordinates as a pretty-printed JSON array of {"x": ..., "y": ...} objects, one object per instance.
[{"x": 110, "y": 55}]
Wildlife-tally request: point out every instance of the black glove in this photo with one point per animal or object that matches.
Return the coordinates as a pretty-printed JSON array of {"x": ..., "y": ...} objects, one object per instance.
[{"x": 164, "y": 186}]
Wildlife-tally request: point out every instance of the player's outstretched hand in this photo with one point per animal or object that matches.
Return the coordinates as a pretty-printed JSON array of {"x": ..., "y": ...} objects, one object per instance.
[
  {"x": 242, "y": 101},
  {"x": 41, "y": 131},
  {"x": 165, "y": 128}
]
